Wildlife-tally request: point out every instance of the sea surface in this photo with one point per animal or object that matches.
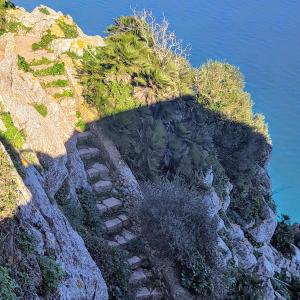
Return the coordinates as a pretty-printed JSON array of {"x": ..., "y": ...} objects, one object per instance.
[{"x": 262, "y": 38}]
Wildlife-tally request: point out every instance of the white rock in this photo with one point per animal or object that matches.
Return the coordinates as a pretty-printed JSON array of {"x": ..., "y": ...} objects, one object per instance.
[{"x": 264, "y": 230}]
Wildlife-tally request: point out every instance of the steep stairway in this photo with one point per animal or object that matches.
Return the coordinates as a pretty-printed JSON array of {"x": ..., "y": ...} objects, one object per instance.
[{"x": 117, "y": 224}]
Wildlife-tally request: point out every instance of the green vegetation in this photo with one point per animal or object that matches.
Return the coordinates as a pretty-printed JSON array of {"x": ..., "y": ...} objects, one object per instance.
[
  {"x": 283, "y": 237},
  {"x": 70, "y": 30},
  {"x": 89, "y": 225},
  {"x": 55, "y": 69},
  {"x": 220, "y": 87},
  {"x": 4, "y": 6},
  {"x": 64, "y": 94},
  {"x": 45, "y": 41},
  {"x": 55, "y": 83},
  {"x": 23, "y": 64},
  {"x": 12, "y": 135},
  {"x": 44, "y": 10},
  {"x": 42, "y": 61},
  {"x": 8, "y": 191},
  {"x": 8, "y": 285},
  {"x": 14, "y": 27},
  {"x": 175, "y": 221},
  {"x": 41, "y": 109},
  {"x": 128, "y": 73},
  {"x": 80, "y": 123},
  {"x": 52, "y": 274}
]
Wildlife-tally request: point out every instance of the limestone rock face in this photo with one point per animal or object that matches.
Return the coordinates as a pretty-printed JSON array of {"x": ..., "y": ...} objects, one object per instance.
[
  {"x": 264, "y": 230},
  {"x": 242, "y": 248},
  {"x": 53, "y": 234}
]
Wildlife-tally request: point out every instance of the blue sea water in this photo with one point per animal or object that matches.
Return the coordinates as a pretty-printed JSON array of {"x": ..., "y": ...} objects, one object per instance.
[{"x": 262, "y": 38}]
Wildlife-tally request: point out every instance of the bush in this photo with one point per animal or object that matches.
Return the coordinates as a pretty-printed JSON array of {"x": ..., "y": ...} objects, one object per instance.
[
  {"x": 8, "y": 285},
  {"x": 283, "y": 238},
  {"x": 220, "y": 87},
  {"x": 52, "y": 274},
  {"x": 127, "y": 73},
  {"x": 44, "y": 10},
  {"x": 175, "y": 222},
  {"x": 12, "y": 135},
  {"x": 70, "y": 30},
  {"x": 45, "y": 41},
  {"x": 55, "y": 69},
  {"x": 23, "y": 64},
  {"x": 80, "y": 123},
  {"x": 41, "y": 109}
]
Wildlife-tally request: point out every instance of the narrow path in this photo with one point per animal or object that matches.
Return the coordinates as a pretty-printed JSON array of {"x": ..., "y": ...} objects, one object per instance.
[{"x": 117, "y": 224}]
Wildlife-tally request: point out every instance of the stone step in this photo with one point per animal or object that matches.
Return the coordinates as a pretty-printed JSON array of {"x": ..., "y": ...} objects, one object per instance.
[
  {"x": 98, "y": 171},
  {"x": 117, "y": 224},
  {"x": 135, "y": 262},
  {"x": 145, "y": 293},
  {"x": 89, "y": 153},
  {"x": 50, "y": 78},
  {"x": 124, "y": 237},
  {"x": 108, "y": 205},
  {"x": 102, "y": 186},
  {"x": 41, "y": 67},
  {"x": 139, "y": 277},
  {"x": 56, "y": 90},
  {"x": 84, "y": 137}
]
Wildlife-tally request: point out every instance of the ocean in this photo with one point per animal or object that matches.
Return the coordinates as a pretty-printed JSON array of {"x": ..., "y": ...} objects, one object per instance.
[{"x": 262, "y": 38}]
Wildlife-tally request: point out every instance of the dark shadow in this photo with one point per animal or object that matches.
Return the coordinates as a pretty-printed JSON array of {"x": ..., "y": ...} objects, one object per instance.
[{"x": 170, "y": 139}]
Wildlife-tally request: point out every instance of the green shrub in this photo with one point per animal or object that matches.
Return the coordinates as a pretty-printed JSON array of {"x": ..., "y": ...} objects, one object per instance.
[
  {"x": 55, "y": 69},
  {"x": 220, "y": 87},
  {"x": 44, "y": 10},
  {"x": 283, "y": 237},
  {"x": 12, "y": 135},
  {"x": 45, "y": 41},
  {"x": 23, "y": 64},
  {"x": 56, "y": 83},
  {"x": 14, "y": 27},
  {"x": 52, "y": 274},
  {"x": 127, "y": 73},
  {"x": 8, "y": 285},
  {"x": 64, "y": 94},
  {"x": 176, "y": 223},
  {"x": 80, "y": 123},
  {"x": 8, "y": 188},
  {"x": 41, "y": 109},
  {"x": 69, "y": 30},
  {"x": 112, "y": 263}
]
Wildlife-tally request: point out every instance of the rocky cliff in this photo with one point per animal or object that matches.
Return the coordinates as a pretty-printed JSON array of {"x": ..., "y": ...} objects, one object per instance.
[{"x": 105, "y": 202}]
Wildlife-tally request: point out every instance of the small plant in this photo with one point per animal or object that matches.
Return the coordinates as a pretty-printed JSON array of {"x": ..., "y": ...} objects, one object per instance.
[
  {"x": 23, "y": 64},
  {"x": 56, "y": 69},
  {"x": 42, "y": 61},
  {"x": 45, "y": 41},
  {"x": 52, "y": 274},
  {"x": 41, "y": 109},
  {"x": 15, "y": 27},
  {"x": 80, "y": 124},
  {"x": 44, "y": 10},
  {"x": 69, "y": 30},
  {"x": 283, "y": 237},
  {"x": 12, "y": 135},
  {"x": 64, "y": 94},
  {"x": 56, "y": 83},
  {"x": 25, "y": 242},
  {"x": 8, "y": 285}
]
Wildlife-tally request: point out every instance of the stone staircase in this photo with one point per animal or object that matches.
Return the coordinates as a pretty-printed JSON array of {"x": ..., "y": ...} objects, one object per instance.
[{"x": 117, "y": 224}]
